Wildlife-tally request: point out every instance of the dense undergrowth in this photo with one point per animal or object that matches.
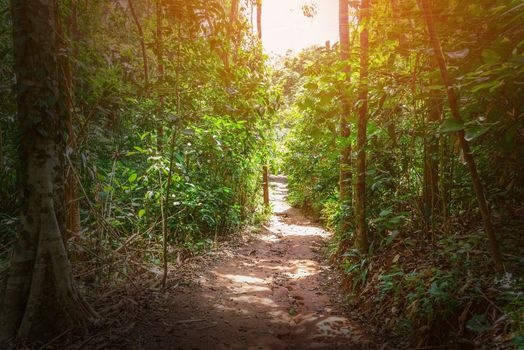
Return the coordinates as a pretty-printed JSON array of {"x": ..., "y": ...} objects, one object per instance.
[
  {"x": 427, "y": 275},
  {"x": 168, "y": 143}
]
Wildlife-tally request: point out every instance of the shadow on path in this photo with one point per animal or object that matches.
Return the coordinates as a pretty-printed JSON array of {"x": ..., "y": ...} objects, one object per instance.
[{"x": 272, "y": 293}]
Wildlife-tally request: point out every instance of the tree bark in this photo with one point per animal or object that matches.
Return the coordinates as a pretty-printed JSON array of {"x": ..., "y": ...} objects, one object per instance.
[
  {"x": 142, "y": 45},
  {"x": 345, "y": 176},
  {"x": 361, "y": 239},
  {"x": 40, "y": 298},
  {"x": 431, "y": 163},
  {"x": 67, "y": 71},
  {"x": 160, "y": 58},
  {"x": 265, "y": 171},
  {"x": 468, "y": 156},
  {"x": 259, "y": 19},
  {"x": 233, "y": 14},
  {"x": 233, "y": 31},
  {"x": 1, "y": 151}
]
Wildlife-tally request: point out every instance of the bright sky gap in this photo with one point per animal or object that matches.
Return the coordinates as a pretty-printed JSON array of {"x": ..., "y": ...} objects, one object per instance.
[{"x": 285, "y": 27}]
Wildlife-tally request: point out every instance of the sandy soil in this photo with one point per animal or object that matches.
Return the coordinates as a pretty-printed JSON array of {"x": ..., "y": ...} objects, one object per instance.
[{"x": 271, "y": 293}]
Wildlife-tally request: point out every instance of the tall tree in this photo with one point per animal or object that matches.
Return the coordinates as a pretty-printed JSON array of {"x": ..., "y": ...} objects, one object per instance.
[
  {"x": 1, "y": 151},
  {"x": 265, "y": 168},
  {"x": 259, "y": 18},
  {"x": 345, "y": 177},
  {"x": 431, "y": 160},
  {"x": 40, "y": 297},
  {"x": 233, "y": 14},
  {"x": 468, "y": 156},
  {"x": 361, "y": 241},
  {"x": 142, "y": 44},
  {"x": 160, "y": 62},
  {"x": 67, "y": 72},
  {"x": 232, "y": 30}
]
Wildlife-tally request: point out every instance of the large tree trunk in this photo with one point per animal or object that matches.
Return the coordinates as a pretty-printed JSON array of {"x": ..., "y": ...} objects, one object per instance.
[
  {"x": 468, "y": 156},
  {"x": 68, "y": 87},
  {"x": 361, "y": 240},
  {"x": 40, "y": 298},
  {"x": 345, "y": 180}
]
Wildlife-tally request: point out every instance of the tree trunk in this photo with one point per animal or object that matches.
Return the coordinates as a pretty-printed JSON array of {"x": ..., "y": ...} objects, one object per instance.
[
  {"x": 265, "y": 171},
  {"x": 361, "y": 241},
  {"x": 468, "y": 156},
  {"x": 431, "y": 163},
  {"x": 40, "y": 298},
  {"x": 233, "y": 14},
  {"x": 1, "y": 151},
  {"x": 142, "y": 45},
  {"x": 345, "y": 178},
  {"x": 73, "y": 223},
  {"x": 259, "y": 19},
  {"x": 233, "y": 32},
  {"x": 160, "y": 58}
]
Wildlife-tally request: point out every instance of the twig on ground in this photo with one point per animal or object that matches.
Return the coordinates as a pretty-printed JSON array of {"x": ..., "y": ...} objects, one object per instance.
[
  {"x": 55, "y": 338},
  {"x": 189, "y": 321}
]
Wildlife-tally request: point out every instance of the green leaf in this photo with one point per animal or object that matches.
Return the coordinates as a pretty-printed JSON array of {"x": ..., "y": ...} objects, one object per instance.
[
  {"x": 141, "y": 213},
  {"x": 476, "y": 131},
  {"x": 451, "y": 125},
  {"x": 436, "y": 87},
  {"x": 132, "y": 178},
  {"x": 311, "y": 86},
  {"x": 490, "y": 56},
  {"x": 386, "y": 212},
  {"x": 478, "y": 323},
  {"x": 487, "y": 85}
]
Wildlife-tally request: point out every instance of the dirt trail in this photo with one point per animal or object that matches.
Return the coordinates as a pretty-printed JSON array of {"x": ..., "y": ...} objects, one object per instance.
[{"x": 272, "y": 293}]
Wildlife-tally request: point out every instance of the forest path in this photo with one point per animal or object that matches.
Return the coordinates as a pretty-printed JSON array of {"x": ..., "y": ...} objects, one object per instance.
[{"x": 272, "y": 293}]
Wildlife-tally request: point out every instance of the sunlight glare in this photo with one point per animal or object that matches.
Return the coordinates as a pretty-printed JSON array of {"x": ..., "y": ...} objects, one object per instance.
[
  {"x": 285, "y": 27},
  {"x": 244, "y": 279}
]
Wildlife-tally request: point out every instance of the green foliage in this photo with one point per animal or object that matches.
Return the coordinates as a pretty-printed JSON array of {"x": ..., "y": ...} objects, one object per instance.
[
  {"x": 411, "y": 138},
  {"x": 356, "y": 266},
  {"x": 215, "y": 135},
  {"x": 188, "y": 149}
]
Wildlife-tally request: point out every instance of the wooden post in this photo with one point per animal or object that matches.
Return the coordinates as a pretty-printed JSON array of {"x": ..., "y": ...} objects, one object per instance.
[{"x": 265, "y": 185}]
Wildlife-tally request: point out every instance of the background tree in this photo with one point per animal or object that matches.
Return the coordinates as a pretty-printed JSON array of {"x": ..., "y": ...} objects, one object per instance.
[
  {"x": 361, "y": 240},
  {"x": 259, "y": 18},
  {"x": 68, "y": 61},
  {"x": 426, "y": 225},
  {"x": 455, "y": 110},
  {"x": 345, "y": 180}
]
